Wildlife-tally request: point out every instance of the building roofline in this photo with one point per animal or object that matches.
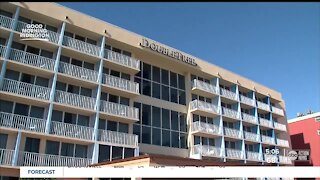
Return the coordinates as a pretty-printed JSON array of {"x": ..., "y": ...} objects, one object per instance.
[{"x": 317, "y": 114}]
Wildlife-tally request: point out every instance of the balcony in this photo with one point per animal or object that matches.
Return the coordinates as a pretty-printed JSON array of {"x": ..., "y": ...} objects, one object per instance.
[
  {"x": 119, "y": 110},
  {"x": 2, "y": 51},
  {"x": 71, "y": 130},
  {"x": 228, "y": 94},
  {"x": 208, "y": 151},
  {"x": 284, "y": 160},
  {"x": 6, "y": 156},
  {"x": 247, "y": 100},
  {"x": 280, "y": 126},
  {"x": 234, "y": 133},
  {"x": 118, "y": 138},
  {"x": 277, "y": 110},
  {"x": 6, "y": 22},
  {"x": 122, "y": 60},
  {"x": 230, "y": 113},
  {"x": 31, "y": 59},
  {"x": 282, "y": 142},
  {"x": 15, "y": 121},
  {"x": 251, "y": 136},
  {"x": 120, "y": 84},
  {"x": 265, "y": 122},
  {"x": 37, "y": 159},
  {"x": 253, "y": 156},
  {"x": 207, "y": 108},
  {"x": 234, "y": 153},
  {"x": 81, "y": 46},
  {"x": 267, "y": 139},
  {"x": 263, "y": 106},
  {"x": 249, "y": 118},
  {"x": 74, "y": 100},
  {"x": 205, "y": 128},
  {"x": 206, "y": 88},
  {"x": 26, "y": 89},
  {"x": 53, "y": 36},
  {"x": 78, "y": 72}
]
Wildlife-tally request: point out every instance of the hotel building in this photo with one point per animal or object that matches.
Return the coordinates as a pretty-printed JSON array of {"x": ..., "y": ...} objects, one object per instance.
[{"x": 94, "y": 92}]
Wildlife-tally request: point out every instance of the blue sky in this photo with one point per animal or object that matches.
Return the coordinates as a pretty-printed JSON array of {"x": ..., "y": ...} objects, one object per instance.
[{"x": 275, "y": 44}]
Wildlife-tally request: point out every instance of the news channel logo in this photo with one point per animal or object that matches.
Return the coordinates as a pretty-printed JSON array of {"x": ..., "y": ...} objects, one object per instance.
[{"x": 299, "y": 155}]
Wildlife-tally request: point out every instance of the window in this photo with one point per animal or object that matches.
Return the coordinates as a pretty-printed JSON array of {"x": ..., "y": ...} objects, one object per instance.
[
  {"x": 230, "y": 144},
  {"x": 165, "y": 119},
  {"x": 128, "y": 152},
  {"x": 156, "y": 136},
  {"x": 196, "y": 140},
  {"x": 6, "y": 106},
  {"x": 21, "y": 109},
  {"x": 112, "y": 126},
  {"x": 175, "y": 139},
  {"x": 156, "y": 117},
  {"x": 165, "y": 138},
  {"x": 81, "y": 151},
  {"x": 174, "y": 95},
  {"x": 146, "y": 71},
  {"x": 36, "y": 112},
  {"x": 183, "y": 140},
  {"x": 181, "y": 82},
  {"x": 173, "y": 79},
  {"x": 146, "y": 135},
  {"x": 146, "y": 114},
  {"x": 104, "y": 153},
  {"x": 136, "y": 131},
  {"x": 156, "y": 90},
  {"x": 116, "y": 152},
  {"x": 165, "y": 92},
  {"x": 124, "y": 101},
  {"x": 174, "y": 121},
  {"x": 123, "y": 127},
  {"x": 146, "y": 88},
  {"x": 52, "y": 147},
  {"x": 156, "y": 74},
  {"x": 67, "y": 149},
  {"x": 32, "y": 145},
  {"x": 165, "y": 77},
  {"x": 3, "y": 141}
]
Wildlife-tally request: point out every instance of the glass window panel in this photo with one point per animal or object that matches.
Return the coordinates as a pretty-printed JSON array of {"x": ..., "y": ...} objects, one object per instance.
[
  {"x": 125, "y": 76},
  {"x": 36, "y": 112},
  {"x": 67, "y": 149},
  {"x": 165, "y": 119},
  {"x": 138, "y": 105},
  {"x": 204, "y": 141},
  {"x": 6, "y": 106},
  {"x": 52, "y": 147},
  {"x": 27, "y": 78},
  {"x": 32, "y": 145},
  {"x": 146, "y": 114},
  {"x": 91, "y": 41},
  {"x": 73, "y": 89},
  {"x": 156, "y": 74},
  {"x": 10, "y": 74},
  {"x": 146, "y": 88},
  {"x": 183, "y": 140},
  {"x": 47, "y": 54},
  {"x": 69, "y": 34},
  {"x": 126, "y": 53},
  {"x": 156, "y": 90},
  {"x": 2, "y": 40},
  {"x": 173, "y": 95},
  {"x": 25, "y": 20},
  {"x": 165, "y": 138},
  {"x": 115, "y": 73},
  {"x": 203, "y": 119},
  {"x": 104, "y": 96},
  {"x": 116, "y": 152},
  {"x": 86, "y": 92},
  {"x": 128, "y": 152},
  {"x": 173, "y": 79},
  {"x": 156, "y": 136},
  {"x": 56, "y": 115},
  {"x": 123, "y": 127},
  {"x": 201, "y": 98},
  {"x": 88, "y": 65},
  {"x": 146, "y": 135},
  {"x": 183, "y": 122},
  {"x": 81, "y": 151},
  {"x": 146, "y": 71},
  {"x": 65, "y": 59},
  {"x": 6, "y": 13},
  {"x": 209, "y": 120},
  {"x": 113, "y": 98},
  {"x": 200, "y": 78},
  {"x": 208, "y": 100},
  {"x": 33, "y": 50},
  {"x": 211, "y": 142},
  {"x": 194, "y": 97},
  {"x": 138, "y": 80},
  {"x": 19, "y": 46},
  {"x": 182, "y": 97},
  {"x": 136, "y": 131},
  {"x": 116, "y": 50},
  {"x": 112, "y": 126},
  {"x": 102, "y": 124},
  {"x": 175, "y": 139},
  {"x": 51, "y": 28},
  {"x": 21, "y": 109},
  {"x": 196, "y": 140},
  {"x": 164, "y": 92},
  {"x": 165, "y": 76},
  {"x": 83, "y": 120},
  {"x": 174, "y": 121},
  {"x": 156, "y": 117},
  {"x": 104, "y": 153},
  {"x": 61, "y": 86},
  {"x": 76, "y": 62},
  {"x": 139, "y": 74},
  {"x": 40, "y": 81},
  {"x": 106, "y": 70},
  {"x": 70, "y": 118},
  {"x": 81, "y": 38},
  {"x": 3, "y": 141},
  {"x": 124, "y": 101},
  {"x": 181, "y": 82}
]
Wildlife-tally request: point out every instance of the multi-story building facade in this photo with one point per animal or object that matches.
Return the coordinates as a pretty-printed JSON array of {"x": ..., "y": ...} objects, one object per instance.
[{"x": 95, "y": 92}]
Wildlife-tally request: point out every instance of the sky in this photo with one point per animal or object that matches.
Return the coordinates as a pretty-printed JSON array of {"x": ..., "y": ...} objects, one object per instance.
[{"x": 274, "y": 44}]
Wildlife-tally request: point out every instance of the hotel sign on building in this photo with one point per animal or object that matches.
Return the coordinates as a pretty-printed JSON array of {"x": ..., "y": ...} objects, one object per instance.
[{"x": 167, "y": 52}]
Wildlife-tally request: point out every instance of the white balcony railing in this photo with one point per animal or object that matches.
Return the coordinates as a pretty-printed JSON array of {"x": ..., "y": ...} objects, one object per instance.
[
  {"x": 53, "y": 36},
  {"x": 265, "y": 122},
  {"x": 20, "y": 122},
  {"x": 26, "y": 89},
  {"x": 71, "y": 130},
  {"x": 263, "y": 106},
  {"x": 74, "y": 99},
  {"x": 229, "y": 113},
  {"x": 122, "y": 59},
  {"x": 277, "y": 110},
  {"x": 228, "y": 94},
  {"x": 205, "y": 150},
  {"x": 284, "y": 160},
  {"x": 37, "y": 159},
  {"x": 6, "y": 22},
  {"x": 6, "y": 156},
  {"x": 120, "y": 83},
  {"x": 78, "y": 72},
  {"x": 204, "y": 106},
  {"x": 255, "y": 156},
  {"x": 118, "y": 138},
  {"x": 81, "y": 46},
  {"x": 3, "y": 50},
  {"x": 204, "y": 86},
  {"x": 232, "y": 132},
  {"x": 246, "y": 100},
  {"x": 31, "y": 59},
  {"x": 280, "y": 126},
  {"x": 234, "y": 153},
  {"x": 205, "y": 127},
  {"x": 267, "y": 139},
  {"x": 119, "y": 110},
  {"x": 283, "y": 142},
  {"x": 249, "y": 118},
  {"x": 251, "y": 136}
]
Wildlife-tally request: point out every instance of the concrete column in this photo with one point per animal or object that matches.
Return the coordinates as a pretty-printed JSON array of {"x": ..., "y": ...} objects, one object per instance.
[
  {"x": 55, "y": 76},
  {"x": 16, "y": 149},
  {"x": 8, "y": 47}
]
